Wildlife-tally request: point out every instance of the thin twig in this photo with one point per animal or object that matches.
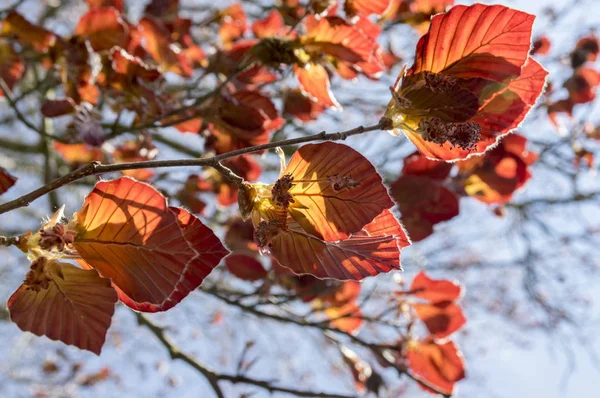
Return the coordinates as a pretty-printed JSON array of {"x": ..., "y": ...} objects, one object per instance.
[{"x": 214, "y": 377}]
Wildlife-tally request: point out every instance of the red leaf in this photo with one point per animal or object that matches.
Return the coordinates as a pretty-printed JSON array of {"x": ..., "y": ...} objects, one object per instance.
[
  {"x": 103, "y": 27},
  {"x": 419, "y": 165},
  {"x": 64, "y": 303},
  {"x": 158, "y": 45},
  {"x": 314, "y": 82},
  {"x": 325, "y": 210},
  {"x": 434, "y": 290},
  {"x": 155, "y": 255},
  {"x": 582, "y": 85},
  {"x": 55, "y": 108},
  {"x": 269, "y": 26},
  {"x": 301, "y": 107},
  {"x": 336, "y": 38},
  {"x": 355, "y": 258},
  {"x": 233, "y": 23},
  {"x": 422, "y": 200},
  {"x": 131, "y": 66},
  {"x": 78, "y": 154},
  {"x": 442, "y": 319},
  {"x": 6, "y": 180},
  {"x": 245, "y": 267},
  {"x": 440, "y": 365},
  {"x": 11, "y": 65},
  {"x": 26, "y": 33},
  {"x": 366, "y": 7},
  {"x": 478, "y": 41},
  {"x": 541, "y": 46}
]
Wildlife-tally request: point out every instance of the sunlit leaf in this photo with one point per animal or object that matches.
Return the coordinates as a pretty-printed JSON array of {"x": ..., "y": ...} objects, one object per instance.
[
  {"x": 440, "y": 365},
  {"x": 314, "y": 82},
  {"x": 65, "y": 303},
  {"x": 366, "y": 7},
  {"x": 233, "y": 23},
  {"x": 157, "y": 43},
  {"x": 11, "y": 65},
  {"x": 26, "y": 33},
  {"x": 103, "y": 27},
  {"x": 154, "y": 255},
  {"x": 269, "y": 26},
  {"x": 336, "y": 190},
  {"x": 434, "y": 290},
  {"x": 479, "y": 41}
]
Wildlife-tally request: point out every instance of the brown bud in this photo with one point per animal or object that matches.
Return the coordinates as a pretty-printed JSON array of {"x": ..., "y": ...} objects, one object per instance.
[{"x": 280, "y": 191}]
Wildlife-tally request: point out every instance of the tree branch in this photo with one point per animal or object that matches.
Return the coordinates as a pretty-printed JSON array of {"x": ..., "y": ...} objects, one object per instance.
[
  {"x": 213, "y": 377},
  {"x": 96, "y": 168}
]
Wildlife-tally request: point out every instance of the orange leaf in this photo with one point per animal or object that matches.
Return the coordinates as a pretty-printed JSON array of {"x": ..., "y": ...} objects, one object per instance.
[
  {"x": 434, "y": 290},
  {"x": 495, "y": 176},
  {"x": 314, "y": 82},
  {"x": 354, "y": 258},
  {"x": 440, "y": 365},
  {"x": 64, "y": 303},
  {"x": 158, "y": 45},
  {"x": 155, "y": 255},
  {"x": 336, "y": 38},
  {"x": 442, "y": 319},
  {"x": 11, "y": 65},
  {"x": 233, "y": 23},
  {"x": 78, "y": 154},
  {"x": 6, "y": 180},
  {"x": 478, "y": 41},
  {"x": 26, "y": 33},
  {"x": 347, "y": 317},
  {"x": 269, "y": 26},
  {"x": 366, "y": 7},
  {"x": 103, "y": 27},
  {"x": 131, "y": 66},
  {"x": 241, "y": 121},
  {"x": 541, "y": 46},
  {"x": 334, "y": 198}
]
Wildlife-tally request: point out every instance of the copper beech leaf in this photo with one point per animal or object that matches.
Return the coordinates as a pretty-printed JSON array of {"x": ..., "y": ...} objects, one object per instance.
[
  {"x": 479, "y": 41},
  {"x": 336, "y": 190},
  {"x": 155, "y": 255},
  {"x": 442, "y": 319},
  {"x": 433, "y": 290},
  {"x": 440, "y": 365},
  {"x": 103, "y": 27},
  {"x": 369, "y": 252},
  {"x": 73, "y": 305},
  {"x": 7, "y": 180},
  {"x": 314, "y": 83}
]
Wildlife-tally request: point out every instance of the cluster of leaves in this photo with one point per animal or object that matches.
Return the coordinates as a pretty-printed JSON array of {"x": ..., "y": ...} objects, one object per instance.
[
  {"x": 432, "y": 358},
  {"x": 428, "y": 191},
  {"x": 327, "y": 221}
]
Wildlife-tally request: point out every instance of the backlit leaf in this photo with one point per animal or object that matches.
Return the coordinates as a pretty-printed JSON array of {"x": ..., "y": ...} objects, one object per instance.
[
  {"x": 434, "y": 290},
  {"x": 155, "y": 255},
  {"x": 336, "y": 190},
  {"x": 26, "y": 33},
  {"x": 314, "y": 82},
  {"x": 355, "y": 258},
  {"x": 478, "y": 41},
  {"x": 11, "y": 65},
  {"x": 158, "y": 45},
  {"x": 442, "y": 319},
  {"x": 73, "y": 305},
  {"x": 103, "y": 27},
  {"x": 440, "y": 365}
]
